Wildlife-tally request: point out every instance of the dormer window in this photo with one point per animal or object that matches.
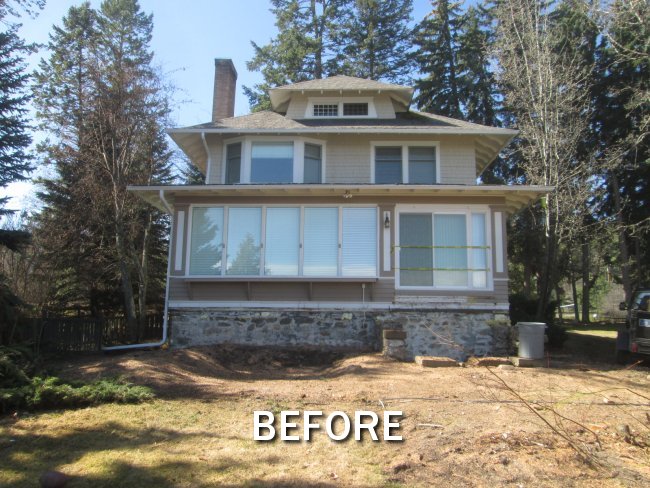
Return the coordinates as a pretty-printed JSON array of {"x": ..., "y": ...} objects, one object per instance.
[
  {"x": 326, "y": 110},
  {"x": 343, "y": 107},
  {"x": 355, "y": 109}
]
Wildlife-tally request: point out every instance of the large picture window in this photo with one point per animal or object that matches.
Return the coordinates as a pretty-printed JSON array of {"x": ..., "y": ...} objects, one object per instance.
[
  {"x": 284, "y": 241},
  {"x": 443, "y": 250},
  {"x": 272, "y": 162}
]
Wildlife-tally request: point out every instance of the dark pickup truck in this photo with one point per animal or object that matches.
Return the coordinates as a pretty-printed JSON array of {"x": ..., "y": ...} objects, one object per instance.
[{"x": 635, "y": 337}]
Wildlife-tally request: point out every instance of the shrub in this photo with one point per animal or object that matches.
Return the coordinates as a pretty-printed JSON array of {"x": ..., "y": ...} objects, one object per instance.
[
  {"x": 20, "y": 389},
  {"x": 524, "y": 309},
  {"x": 16, "y": 365},
  {"x": 51, "y": 392}
]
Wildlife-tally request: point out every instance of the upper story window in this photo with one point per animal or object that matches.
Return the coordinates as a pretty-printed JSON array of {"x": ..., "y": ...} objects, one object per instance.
[
  {"x": 409, "y": 163},
  {"x": 272, "y": 162},
  {"x": 326, "y": 110},
  {"x": 269, "y": 161},
  {"x": 357, "y": 107}
]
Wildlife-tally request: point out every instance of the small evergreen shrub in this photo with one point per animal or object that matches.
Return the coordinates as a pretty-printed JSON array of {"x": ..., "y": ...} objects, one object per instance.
[{"x": 20, "y": 390}]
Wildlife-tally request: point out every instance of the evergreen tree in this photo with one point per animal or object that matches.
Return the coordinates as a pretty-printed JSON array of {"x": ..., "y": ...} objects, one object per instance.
[
  {"x": 105, "y": 108},
  {"x": 438, "y": 91},
  {"x": 376, "y": 40},
  {"x": 304, "y": 48},
  {"x": 477, "y": 84},
  {"x": 15, "y": 163}
]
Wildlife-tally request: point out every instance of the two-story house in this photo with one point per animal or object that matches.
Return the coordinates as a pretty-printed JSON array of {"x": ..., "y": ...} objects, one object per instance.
[{"x": 337, "y": 214}]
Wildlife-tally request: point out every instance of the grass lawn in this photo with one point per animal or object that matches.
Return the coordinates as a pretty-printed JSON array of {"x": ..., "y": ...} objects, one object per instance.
[
  {"x": 598, "y": 329},
  {"x": 461, "y": 426},
  {"x": 175, "y": 443}
]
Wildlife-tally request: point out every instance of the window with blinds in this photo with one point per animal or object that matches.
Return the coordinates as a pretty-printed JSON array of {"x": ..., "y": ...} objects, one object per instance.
[
  {"x": 206, "y": 241},
  {"x": 294, "y": 241},
  {"x": 359, "y": 242}
]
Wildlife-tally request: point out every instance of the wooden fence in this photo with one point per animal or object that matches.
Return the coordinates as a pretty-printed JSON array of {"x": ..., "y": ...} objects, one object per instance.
[{"x": 89, "y": 334}]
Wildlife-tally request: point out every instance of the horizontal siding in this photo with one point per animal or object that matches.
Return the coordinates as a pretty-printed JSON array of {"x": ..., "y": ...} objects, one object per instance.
[
  {"x": 216, "y": 155},
  {"x": 381, "y": 291},
  {"x": 498, "y": 295},
  {"x": 348, "y": 157}
]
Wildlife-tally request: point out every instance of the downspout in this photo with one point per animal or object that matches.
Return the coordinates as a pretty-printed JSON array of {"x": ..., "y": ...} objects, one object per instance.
[
  {"x": 147, "y": 345},
  {"x": 208, "y": 160}
]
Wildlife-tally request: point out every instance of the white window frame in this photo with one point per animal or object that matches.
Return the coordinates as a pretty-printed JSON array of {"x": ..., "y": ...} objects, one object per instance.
[
  {"x": 466, "y": 210},
  {"x": 298, "y": 156},
  {"x": 299, "y": 276},
  {"x": 405, "y": 156},
  {"x": 339, "y": 101}
]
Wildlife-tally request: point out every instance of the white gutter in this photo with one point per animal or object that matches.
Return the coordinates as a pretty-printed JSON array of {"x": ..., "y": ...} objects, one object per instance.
[{"x": 147, "y": 345}]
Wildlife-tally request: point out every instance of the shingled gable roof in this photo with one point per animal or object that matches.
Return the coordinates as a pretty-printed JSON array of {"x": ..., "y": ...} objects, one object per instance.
[{"x": 340, "y": 83}]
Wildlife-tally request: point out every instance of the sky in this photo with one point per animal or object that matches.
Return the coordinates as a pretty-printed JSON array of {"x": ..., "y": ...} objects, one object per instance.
[{"x": 187, "y": 37}]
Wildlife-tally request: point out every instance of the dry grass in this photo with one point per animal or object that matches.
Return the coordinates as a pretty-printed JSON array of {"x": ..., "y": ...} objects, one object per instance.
[
  {"x": 175, "y": 443},
  {"x": 460, "y": 427}
]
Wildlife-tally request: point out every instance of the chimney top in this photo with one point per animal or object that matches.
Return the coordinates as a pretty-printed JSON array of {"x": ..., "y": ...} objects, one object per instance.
[{"x": 225, "y": 84}]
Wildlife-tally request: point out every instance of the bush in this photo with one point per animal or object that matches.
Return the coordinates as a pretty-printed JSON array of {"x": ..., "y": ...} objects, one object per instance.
[
  {"x": 19, "y": 388},
  {"x": 51, "y": 392},
  {"x": 16, "y": 365},
  {"x": 524, "y": 309}
]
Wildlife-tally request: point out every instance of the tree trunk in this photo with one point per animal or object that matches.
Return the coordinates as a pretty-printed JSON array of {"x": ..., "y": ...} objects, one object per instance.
[
  {"x": 574, "y": 292},
  {"x": 143, "y": 275},
  {"x": 586, "y": 284},
  {"x": 127, "y": 286},
  {"x": 318, "y": 35},
  {"x": 622, "y": 239}
]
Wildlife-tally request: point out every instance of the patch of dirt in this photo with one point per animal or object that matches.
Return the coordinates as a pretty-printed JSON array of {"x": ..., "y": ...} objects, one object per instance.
[{"x": 482, "y": 426}]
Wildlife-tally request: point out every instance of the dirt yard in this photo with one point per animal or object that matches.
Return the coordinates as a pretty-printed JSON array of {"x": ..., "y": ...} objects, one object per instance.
[{"x": 575, "y": 423}]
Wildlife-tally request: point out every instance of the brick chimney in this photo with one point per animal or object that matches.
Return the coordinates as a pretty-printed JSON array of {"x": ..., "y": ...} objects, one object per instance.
[{"x": 225, "y": 83}]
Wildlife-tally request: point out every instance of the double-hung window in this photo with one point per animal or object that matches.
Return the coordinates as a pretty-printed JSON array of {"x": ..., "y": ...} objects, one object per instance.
[
  {"x": 285, "y": 241},
  {"x": 414, "y": 164},
  {"x": 443, "y": 249}
]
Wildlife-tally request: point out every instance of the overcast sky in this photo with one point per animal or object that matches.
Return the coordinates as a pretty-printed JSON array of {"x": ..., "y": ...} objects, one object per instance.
[{"x": 187, "y": 36}]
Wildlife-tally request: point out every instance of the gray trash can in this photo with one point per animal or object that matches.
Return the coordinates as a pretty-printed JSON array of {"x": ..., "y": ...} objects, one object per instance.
[{"x": 531, "y": 339}]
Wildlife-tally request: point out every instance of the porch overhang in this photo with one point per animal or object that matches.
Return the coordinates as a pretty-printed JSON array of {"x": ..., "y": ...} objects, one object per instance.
[{"x": 514, "y": 197}]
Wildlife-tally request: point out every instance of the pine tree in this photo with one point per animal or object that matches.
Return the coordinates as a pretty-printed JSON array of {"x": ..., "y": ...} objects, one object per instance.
[
  {"x": 477, "y": 84},
  {"x": 376, "y": 39},
  {"x": 15, "y": 162},
  {"x": 438, "y": 91},
  {"x": 105, "y": 108},
  {"x": 303, "y": 49}
]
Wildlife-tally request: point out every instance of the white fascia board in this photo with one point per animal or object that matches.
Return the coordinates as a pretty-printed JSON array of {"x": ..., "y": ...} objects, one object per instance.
[{"x": 396, "y": 131}]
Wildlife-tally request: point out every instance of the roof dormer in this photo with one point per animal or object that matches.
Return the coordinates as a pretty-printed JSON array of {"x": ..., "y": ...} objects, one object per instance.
[{"x": 341, "y": 97}]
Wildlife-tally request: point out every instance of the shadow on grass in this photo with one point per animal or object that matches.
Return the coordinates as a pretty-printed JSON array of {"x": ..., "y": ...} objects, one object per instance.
[{"x": 29, "y": 454}]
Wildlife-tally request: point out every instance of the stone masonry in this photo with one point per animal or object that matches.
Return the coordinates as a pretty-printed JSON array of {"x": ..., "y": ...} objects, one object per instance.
[{"x": 455, "y": 334}]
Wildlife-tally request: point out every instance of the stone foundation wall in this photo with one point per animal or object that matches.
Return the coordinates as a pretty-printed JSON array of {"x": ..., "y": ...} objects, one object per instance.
[
  {"x": 454, "y": 334},
  {"x": 327, "y": 329}
]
